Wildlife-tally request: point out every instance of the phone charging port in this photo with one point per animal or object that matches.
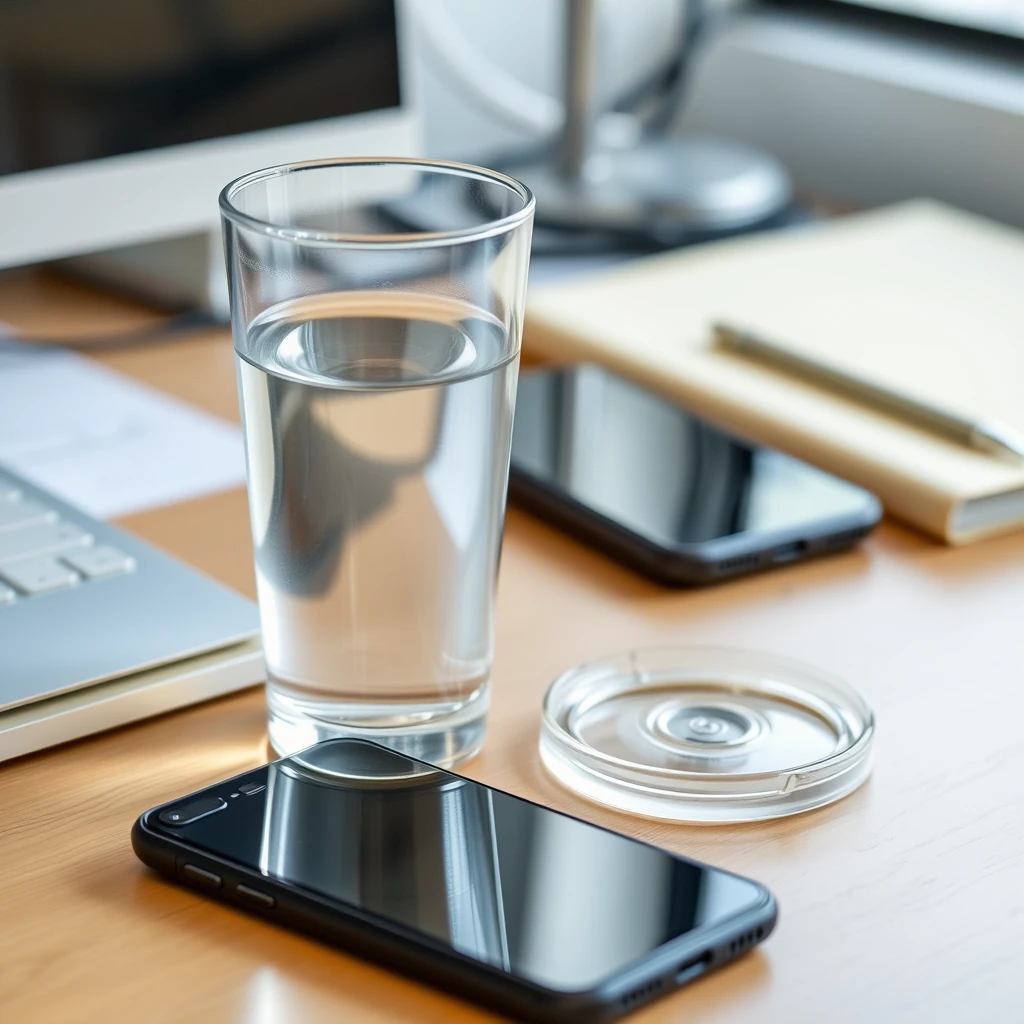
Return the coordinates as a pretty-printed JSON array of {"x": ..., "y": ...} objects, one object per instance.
[
  {"x": 789, "y": 552},
  {"x": 693, "y": 968}
]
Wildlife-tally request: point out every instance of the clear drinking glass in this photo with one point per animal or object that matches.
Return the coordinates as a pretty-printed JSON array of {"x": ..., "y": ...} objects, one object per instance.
[{"x": 377, "y": 307}]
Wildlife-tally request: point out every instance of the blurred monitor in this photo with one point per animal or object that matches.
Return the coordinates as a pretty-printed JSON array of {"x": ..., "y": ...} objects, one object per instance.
[{"x": 121, "y": 120}]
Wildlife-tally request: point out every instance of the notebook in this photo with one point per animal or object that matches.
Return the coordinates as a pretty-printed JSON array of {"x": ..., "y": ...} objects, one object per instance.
[{"x": 919, "y": 296}]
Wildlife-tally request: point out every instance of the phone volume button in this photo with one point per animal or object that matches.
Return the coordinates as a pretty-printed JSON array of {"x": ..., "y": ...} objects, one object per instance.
[
  {"x": 202, "y": 876},
  {"x": 255, "y": 897}
]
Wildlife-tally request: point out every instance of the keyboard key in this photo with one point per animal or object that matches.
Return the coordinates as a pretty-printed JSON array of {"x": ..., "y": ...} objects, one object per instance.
[
  {"x": 41, "y": 539},
  {"x": 6, "y": 595},
  {"x": 39, "y": 575},
  {"x": 24, "y": 513},
  {"x": 100, "y": 561}
]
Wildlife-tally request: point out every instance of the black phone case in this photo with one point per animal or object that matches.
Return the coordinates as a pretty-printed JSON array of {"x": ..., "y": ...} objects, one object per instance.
[
  {"x": 393, "y": 946},
  {"x": 686, "y": 564}
]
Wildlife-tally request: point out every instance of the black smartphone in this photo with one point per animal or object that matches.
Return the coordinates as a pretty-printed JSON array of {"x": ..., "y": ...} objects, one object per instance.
[
  {"x": 529, "y": 911},
  {"x": 665, "y": 492}
]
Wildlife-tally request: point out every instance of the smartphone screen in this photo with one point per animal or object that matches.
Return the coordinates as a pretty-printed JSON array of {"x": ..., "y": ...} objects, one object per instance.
[
  {"x": 545, "y": 897},
  {"x": 652, "y": 467}
]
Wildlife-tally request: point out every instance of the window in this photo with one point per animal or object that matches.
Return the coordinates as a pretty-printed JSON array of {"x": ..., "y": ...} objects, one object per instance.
[{"x": 1005, "y": 17}]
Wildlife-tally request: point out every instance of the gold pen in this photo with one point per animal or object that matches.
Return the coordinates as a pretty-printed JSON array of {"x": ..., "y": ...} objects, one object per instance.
[{"x": 983, "y": 435}]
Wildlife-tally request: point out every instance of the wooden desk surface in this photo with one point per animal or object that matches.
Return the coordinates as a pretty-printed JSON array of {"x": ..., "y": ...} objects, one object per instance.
[{"x": 904, "y": 902}]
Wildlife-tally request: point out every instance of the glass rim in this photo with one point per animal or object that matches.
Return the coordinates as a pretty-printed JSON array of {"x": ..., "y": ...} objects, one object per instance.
[{"x": 391, "y": 240}]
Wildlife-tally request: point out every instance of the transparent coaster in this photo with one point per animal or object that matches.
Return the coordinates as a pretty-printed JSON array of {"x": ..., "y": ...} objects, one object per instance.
[{"x": 706, "y": 734}]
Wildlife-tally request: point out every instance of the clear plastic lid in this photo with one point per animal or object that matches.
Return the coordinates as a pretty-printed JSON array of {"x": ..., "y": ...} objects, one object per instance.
[{"x": 706, "y": 734}]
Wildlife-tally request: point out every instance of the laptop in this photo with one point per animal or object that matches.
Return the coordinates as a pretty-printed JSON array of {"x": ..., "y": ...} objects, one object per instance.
[{"x": 97, "y": 628}]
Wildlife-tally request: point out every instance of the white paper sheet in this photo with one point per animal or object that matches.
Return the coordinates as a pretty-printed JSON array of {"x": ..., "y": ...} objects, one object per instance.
[{"x": 104, "y": 442}]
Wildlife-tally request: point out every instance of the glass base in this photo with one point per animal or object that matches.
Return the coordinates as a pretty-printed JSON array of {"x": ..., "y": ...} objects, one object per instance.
[{"x": 444, "y": 733}]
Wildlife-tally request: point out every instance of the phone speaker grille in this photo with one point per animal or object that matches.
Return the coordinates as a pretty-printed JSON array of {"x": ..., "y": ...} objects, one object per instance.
[
  {"x": 641, "y": 995},
  {"x": 744, "y": 942},
  {"x": 837, "y": 540},
  {"x": 730, "y": 565}
]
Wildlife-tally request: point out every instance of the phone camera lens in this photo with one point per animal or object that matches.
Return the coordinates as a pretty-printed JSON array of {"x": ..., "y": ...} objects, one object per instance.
[{"x": 193, "y": 811}]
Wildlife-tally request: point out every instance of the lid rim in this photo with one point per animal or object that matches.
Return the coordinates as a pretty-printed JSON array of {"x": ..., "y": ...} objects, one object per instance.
[
  {"x": 725, "y": 815},
  {"x": 811, "y": 784}
]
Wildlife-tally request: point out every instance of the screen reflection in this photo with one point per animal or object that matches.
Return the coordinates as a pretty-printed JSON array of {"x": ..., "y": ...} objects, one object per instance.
[
  {"x": 507, "y": 882},
  {"x": 646, "y": 463}
]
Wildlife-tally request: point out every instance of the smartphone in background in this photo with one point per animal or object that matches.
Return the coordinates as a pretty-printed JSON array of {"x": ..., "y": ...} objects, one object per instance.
[
  {"x": 532, "y": 912},
  {"x": 665, "y": 492}
]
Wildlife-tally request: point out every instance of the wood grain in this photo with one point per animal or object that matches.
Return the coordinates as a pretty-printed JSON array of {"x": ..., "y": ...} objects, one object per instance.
[{"x": 902, "y": 903}]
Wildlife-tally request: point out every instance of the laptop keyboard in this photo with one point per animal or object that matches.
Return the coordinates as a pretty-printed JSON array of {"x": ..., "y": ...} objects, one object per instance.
[{"x": 41, "y": 553}]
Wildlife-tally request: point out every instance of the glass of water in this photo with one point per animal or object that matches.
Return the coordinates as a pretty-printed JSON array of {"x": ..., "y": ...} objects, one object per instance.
[{"x": 377, "y": 308}]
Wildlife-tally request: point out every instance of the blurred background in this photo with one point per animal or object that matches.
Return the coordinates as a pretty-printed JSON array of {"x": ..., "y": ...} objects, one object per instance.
[
  {"x": 863, "y": 101},
  {"x": 640, "y": 124}
]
